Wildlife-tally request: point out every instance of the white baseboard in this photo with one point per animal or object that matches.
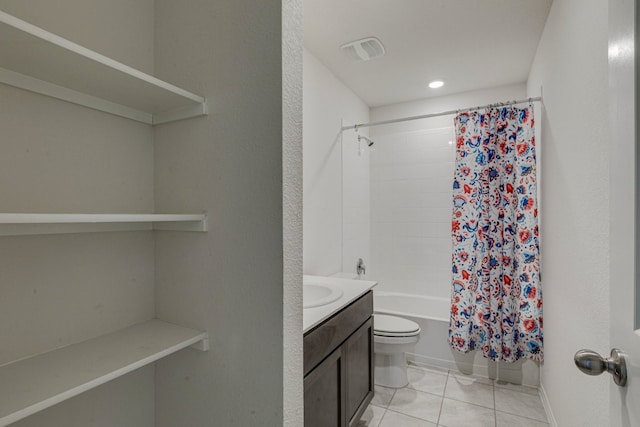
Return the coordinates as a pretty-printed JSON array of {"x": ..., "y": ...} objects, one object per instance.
[
  {"x": 467, "y": 368},
  {"x": 419, "y": 359},
  {"x": 481, "y": 370},
  {"x": 547, "y": 407}
]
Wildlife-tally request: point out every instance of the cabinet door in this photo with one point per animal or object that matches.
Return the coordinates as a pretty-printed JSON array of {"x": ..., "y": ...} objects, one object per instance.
[
  {"x": 358, "y": 354},
  {"x": 324, "y": 393}
]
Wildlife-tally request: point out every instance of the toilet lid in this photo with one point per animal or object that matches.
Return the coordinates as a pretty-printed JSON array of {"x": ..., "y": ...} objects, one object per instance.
[{"x": 393, "y": 326}]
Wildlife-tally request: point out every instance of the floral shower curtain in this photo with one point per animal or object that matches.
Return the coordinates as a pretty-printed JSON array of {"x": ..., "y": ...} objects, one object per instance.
[{"x": 496, "y": 299}]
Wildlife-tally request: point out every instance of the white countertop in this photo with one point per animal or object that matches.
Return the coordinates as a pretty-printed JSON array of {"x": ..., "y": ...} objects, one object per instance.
[{"x": 352, "y": 289}]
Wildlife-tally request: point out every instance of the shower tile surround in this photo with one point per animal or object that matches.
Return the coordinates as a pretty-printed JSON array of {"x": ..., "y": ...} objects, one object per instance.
[
  {"x": 439, "y": 397},
  {"x": 411, "y": 177}
]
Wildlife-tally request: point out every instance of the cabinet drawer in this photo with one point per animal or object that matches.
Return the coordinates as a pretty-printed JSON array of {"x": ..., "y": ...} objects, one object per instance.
[{"x": 322, "y": 340}]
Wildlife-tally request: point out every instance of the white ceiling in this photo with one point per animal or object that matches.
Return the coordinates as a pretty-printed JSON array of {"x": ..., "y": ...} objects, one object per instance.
[{"x": 469, "y": 44}]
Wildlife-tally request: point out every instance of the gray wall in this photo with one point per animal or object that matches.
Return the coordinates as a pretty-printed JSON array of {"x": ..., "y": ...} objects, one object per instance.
[{"x": 230, "y": 280}]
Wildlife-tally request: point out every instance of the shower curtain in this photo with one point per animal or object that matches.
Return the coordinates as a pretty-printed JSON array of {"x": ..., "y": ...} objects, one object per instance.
[{"x": 496, "y": 299}]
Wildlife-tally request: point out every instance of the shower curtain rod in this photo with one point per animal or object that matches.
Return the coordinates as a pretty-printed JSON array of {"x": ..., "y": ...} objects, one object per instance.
[{"x": 443, "y": 113}]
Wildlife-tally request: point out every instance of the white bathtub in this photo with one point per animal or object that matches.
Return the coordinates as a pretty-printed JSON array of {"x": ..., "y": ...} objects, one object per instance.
[
  {"x": 432, "y": 308},
  {"x": 432, "y": 314}
]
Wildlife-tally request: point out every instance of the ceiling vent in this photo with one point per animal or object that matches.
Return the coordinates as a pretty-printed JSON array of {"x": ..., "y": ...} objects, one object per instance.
[{"x": 364, "y": 49}]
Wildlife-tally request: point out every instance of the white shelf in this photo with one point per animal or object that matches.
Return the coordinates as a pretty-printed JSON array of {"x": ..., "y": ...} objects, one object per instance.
[
  {"x": 14, "y": 224},
  {"x": 36, "y": 383},
  {"x": 39, "y": 61}
]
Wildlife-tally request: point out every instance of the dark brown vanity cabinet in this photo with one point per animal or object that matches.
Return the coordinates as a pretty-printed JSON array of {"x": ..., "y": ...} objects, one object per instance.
[{"x": 338, "y": 366}]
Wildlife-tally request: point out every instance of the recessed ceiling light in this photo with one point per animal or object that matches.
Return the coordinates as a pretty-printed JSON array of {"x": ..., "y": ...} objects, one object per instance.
[{"x": 436, "y": 84}]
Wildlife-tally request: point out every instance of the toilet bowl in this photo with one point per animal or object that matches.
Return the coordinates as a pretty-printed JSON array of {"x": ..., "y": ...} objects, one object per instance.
[{"x": 392, "y": 337}]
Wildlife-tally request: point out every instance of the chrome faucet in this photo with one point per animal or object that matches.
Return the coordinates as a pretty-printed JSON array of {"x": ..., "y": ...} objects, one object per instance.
[{"x": 360, "y": 268}]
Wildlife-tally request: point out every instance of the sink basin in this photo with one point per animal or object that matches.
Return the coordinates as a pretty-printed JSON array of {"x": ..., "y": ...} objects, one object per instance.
[{"x": 316, "y": 295}]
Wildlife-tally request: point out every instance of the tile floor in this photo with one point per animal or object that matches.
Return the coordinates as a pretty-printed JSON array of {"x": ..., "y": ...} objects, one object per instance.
[{"x": 436, "y": 397}]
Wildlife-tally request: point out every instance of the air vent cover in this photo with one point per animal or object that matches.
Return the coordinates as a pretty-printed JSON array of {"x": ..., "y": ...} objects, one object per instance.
[{"x": 364, "y": 49}]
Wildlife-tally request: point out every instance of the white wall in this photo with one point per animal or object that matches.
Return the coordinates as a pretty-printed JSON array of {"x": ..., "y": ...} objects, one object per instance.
[
  {"x": 228, "y": 281},
  {"x": 571, "y": 67},
  {"x": 411, "y": 175},
  {"x": 326, "y": 103}
]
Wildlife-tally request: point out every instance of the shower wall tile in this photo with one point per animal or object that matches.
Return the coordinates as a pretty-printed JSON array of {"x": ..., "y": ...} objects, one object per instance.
[
  {"x": 410, "y": 181},
  {"x": 426, "y": 229},
  {"x": 356, "y": 230},
  {"x": 439, "y": 200}
]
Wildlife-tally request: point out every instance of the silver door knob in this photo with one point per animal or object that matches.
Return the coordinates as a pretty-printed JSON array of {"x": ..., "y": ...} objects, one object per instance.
[{"x": 591, "y": 363}]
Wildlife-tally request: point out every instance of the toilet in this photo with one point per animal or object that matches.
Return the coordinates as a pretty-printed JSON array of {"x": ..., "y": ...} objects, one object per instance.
[{"x": 392, "y": 337}]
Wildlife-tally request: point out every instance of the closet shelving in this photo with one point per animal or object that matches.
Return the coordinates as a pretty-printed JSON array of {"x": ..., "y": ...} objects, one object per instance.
[
  {"x": 13, "y": 224},
  {"x": 39, "y": 61},
  {"x": 36, "y": 60},
  {"x": 30, "y": 385}
]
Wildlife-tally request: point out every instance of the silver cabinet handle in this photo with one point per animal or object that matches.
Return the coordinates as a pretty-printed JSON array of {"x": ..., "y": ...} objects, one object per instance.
[{"x": 591, "y": 363}]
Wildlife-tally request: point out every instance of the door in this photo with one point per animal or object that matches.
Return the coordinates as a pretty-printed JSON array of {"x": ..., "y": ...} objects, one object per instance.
[
  {"x": 625, "y": 287},
  {"x": 324, "y": 393},
  {"x": 359, "y": 362}
]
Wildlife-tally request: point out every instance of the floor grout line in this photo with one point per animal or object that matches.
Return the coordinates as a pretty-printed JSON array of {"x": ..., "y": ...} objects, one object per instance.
[
  {"x": 473, "y": 404},
  {"x": 495, "y": 415},
  {"x": 522, "y": 416},
  {"x": 448, "y": 375},
  {"x": 382, "y": 417},
  {"x": 444, "y": 392},
  {"x": 409, "y": 415}
]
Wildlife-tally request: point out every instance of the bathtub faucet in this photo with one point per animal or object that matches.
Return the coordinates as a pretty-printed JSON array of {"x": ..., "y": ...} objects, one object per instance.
[{"x": 360, "y": 268}]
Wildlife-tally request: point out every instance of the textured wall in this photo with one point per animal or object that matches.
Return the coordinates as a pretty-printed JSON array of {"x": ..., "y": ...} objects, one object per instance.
[
  {"x": 571, "y": 68},
  {"x": 292, "y": 211}
]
